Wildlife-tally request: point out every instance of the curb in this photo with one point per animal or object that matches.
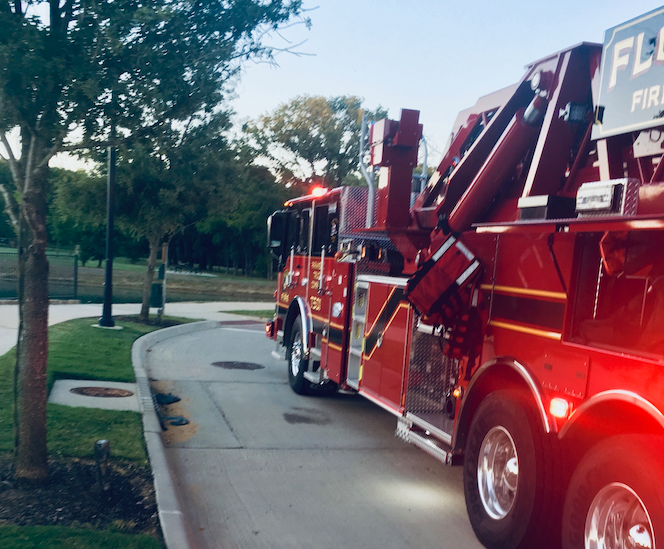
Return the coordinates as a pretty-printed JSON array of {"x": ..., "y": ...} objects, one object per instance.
[{"x": 171, "y": 518}]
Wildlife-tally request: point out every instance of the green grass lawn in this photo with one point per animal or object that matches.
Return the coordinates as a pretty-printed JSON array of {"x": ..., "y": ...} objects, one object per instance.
[
  {"x": 268, "y": 313},
  {"x": 78, "y": 350},
  {"x": 124, "y": 264},
  {"x": 58, "y": 537}
]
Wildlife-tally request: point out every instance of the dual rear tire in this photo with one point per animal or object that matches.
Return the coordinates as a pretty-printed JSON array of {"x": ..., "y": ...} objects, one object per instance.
[
  {"x": 515, "y": 486},
  {"x": 615, "y": 499}
]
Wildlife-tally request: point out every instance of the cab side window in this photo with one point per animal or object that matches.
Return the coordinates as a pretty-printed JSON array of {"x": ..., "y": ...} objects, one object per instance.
[
  {"x": 302, "y": 247},
  {"x": 326, "y": 229},
  {"x": 321, "y": 236}
]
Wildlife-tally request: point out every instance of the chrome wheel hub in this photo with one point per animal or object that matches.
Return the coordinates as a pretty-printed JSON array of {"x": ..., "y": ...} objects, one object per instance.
[
  {"x": 618, "y": 519},
  {"x": 498, "y": 472},
  {"x": 296, "y": 357}
]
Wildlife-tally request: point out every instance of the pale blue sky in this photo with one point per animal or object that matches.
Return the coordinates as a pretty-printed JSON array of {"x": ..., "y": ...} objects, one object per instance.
[{"x": 437, "y": 56}]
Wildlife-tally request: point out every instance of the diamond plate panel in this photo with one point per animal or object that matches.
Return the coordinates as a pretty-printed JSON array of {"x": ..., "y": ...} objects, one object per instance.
[
  {"x": 353, "y": 214},
  {"x": 431, "y": 378},
  {"x": 627, "y": 203}
]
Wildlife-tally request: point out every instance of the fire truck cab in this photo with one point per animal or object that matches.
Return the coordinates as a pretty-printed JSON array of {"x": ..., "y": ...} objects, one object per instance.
[{"x": 511, "y": 314}]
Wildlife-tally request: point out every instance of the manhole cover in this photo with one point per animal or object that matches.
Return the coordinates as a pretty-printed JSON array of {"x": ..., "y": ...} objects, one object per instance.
[
  {"x": 105, "y": 392},
  {"x": 238, "y": 365}
]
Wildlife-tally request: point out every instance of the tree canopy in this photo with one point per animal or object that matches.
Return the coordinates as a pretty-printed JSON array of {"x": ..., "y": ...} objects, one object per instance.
[
  {"x": 312, "y": 139},
  {"x": 82, "y": 74}
]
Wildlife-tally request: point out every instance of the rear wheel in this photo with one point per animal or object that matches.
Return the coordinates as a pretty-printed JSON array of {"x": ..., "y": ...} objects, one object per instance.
[
  {"x": 614, "y": 500},
  {"x": 510, "y": 481},
  {"x": 297, "y": 364}
]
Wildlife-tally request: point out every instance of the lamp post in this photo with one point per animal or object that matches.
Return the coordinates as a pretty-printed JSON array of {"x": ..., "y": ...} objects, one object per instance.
[{"x": 106, "y": 319}]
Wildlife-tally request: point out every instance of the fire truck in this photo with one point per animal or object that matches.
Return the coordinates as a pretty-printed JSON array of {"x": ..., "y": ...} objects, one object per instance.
[{"x": 509, "y": 311}]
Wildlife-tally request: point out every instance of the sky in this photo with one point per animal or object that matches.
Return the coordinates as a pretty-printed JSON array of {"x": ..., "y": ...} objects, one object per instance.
[{"x": 435, "y": 56}]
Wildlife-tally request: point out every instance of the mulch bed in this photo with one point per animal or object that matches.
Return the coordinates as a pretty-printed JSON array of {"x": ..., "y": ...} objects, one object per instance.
[{"x": 72, "y": 497}]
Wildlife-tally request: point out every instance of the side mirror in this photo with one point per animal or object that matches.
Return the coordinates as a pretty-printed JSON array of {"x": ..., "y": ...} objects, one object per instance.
[{"x": 277, "y": 228}]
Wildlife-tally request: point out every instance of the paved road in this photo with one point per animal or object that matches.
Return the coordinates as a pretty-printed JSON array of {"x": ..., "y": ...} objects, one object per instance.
[{"x": 261, "y": 467}]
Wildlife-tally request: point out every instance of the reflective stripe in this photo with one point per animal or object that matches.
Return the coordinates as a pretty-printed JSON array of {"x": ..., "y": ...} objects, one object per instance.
[
  {"x": 465, "y": 251},
  {"x": 446, "y": 246},
  {"x": 470, "y": 270}
]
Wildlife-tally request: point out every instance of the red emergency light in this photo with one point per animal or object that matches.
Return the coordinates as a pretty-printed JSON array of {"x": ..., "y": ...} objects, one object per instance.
[{"x": 318, "y": 191}]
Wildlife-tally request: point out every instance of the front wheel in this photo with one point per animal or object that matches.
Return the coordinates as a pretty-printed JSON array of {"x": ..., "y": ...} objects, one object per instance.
[
  {"x": 614, "y": 500},
  {"x": 509, "y": 476},
  {"x": 297, "y": 364}
]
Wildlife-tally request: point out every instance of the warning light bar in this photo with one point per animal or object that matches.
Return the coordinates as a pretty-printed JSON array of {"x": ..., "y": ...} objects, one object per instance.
[{"x": 319, "y": 191}]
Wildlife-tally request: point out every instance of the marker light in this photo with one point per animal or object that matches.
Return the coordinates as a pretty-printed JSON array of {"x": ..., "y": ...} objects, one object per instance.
[
  {"x": 559, "y": 407},
  {"x": 319, "y": 191},
  {"x": 457, "y": 392}
]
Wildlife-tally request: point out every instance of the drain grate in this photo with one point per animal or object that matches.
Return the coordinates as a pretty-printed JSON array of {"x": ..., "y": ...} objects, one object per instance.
[
  {"x": 238, "y": 365},
  {"x": 104, "y": 392},
  {"x": 176, "y": 421},
  {"x": 167, "y": 399}
]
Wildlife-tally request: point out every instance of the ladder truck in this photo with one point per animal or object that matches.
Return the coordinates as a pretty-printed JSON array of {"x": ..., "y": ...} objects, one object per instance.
[{"x": 510, "y": 314}]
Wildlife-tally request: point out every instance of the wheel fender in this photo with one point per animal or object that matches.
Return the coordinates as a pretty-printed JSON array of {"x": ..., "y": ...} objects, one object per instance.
[
  {"x": 298, "y": 311},
  {"x": 638, "y": 404},
  {"x": 493, "y": 375}
]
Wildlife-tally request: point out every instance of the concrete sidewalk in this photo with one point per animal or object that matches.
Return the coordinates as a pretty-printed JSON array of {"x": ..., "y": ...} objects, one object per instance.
[
  {"x": 171, "y": 518},
  {"x": 62, "y": 312}
]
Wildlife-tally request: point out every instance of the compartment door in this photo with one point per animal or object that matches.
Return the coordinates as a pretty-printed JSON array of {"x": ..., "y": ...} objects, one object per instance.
[{"x": 385, "y": 351}]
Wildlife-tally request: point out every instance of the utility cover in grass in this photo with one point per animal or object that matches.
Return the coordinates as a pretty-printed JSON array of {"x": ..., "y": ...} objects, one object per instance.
[{"x": 62, "y": 394}]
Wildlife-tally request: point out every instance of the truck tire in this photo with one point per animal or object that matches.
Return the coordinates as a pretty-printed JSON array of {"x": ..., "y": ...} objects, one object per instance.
[
  {"x": 511, "y": 476},
  {"x": 297, "y": 364},
  {"x": 615, "y": 498}
]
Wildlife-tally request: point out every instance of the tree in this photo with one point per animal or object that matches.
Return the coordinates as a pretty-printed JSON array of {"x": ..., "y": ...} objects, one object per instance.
[
  {"x": 168, "y": 184},
  {"x": 241, "y": 226},
  {"x": 6, "y": 232},
  {"x": 110, "y": 70},
  {"x": 312, "y": 139},
  {"x": 76, "y": 213}
]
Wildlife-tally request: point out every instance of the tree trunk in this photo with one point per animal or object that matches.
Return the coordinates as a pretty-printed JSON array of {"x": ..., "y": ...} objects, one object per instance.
[
  {"x": 149, "y": 277},
  {"x": 30, "y": 458}
]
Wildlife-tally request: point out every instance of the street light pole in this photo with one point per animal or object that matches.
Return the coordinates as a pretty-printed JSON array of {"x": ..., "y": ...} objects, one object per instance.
[{"x": 106, "y": 319}]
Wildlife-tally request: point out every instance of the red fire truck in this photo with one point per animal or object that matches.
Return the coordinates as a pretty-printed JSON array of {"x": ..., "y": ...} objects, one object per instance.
[{"x": 510, "y": 314}]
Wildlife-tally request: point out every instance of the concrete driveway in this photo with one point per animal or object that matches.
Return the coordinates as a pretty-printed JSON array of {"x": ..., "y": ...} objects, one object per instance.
[{"x": 261, "y": 467}]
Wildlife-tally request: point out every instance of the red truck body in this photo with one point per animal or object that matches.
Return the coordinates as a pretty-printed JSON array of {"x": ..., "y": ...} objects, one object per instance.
[{"x": 512, "y": 318}]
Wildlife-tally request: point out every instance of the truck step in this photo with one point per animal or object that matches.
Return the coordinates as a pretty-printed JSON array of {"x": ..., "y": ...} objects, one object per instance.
[{"x": 436, "y": 448}]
